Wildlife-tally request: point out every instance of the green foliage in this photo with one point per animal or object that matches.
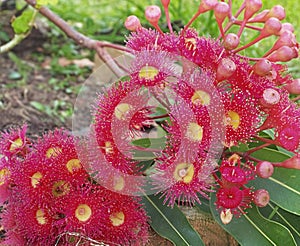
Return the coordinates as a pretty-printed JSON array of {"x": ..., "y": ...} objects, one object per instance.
[
  {"x": 23, "y": 70},
  {"x": 254, "y": 229},
  {"x": 57, "y": 109},
  {"x": 284, "y": 188},
  {"x": 170, "y": 223},
  {"x": 283, "y": 217},
  {"x": 23, "y": 23}
]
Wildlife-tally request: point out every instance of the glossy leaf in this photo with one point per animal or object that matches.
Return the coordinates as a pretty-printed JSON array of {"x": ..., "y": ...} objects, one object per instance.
[
  {"x": 170, "y": 223},
  {"x": 253, "y": 229},
  {"x": 291, "y": 221},
  {"x": 271, "y": 155},
  {"x": 284, "y": 188},
  {"x": 22, "y": 24}
]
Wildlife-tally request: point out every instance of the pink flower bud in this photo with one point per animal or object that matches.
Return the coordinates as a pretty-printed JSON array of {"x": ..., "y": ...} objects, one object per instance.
[
  {"x": 264, "y": 169},
  {"x": 132, "y": 23},
  {"x": 152, "y": 13},
  {"x": 225, "y": 69},
  {"x": 278, "y": 12},
  {"x": 286, "y": 38},
  {"x": 221, "y": 10},
  {"x": 283, "y": 54},
  {"x": 231, "y": 41},
  {"x": 293, "y": 162},
  {"x": 207, "y": 5},
  {"x": 261, "y": 198},
  {"x": 272, "y": 27},
  {"x": 260, "y": 17},
  {"x": 294, "y": 87},
  {"x": 262, "y": 67},
  {"x": 270, "y": 97},
  {"x": 252, "y": 6},
  {"x": 287, "y": 27}
]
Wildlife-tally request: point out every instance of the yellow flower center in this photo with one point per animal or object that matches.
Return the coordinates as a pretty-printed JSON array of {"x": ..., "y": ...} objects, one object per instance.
[
  {"x": 35, "y": 179},
  {"x": 117, "y": 219},
  {"x": 73, "y": 165},
  {"x": 60, "y": 188},
  {"x": 148, "y": 72},
  {"x": 190, "y": 43},
  {"x": 234, "y": 159},
  {"x": 184, "y": 172},
  {"x": 83, "y": 212},
  {"x": 119, "y": 183},
  {"x": 16, "y": 144},
  {"x": 40, "y": 217},
  {"x": 53, "y": 152},
  {"x": 233, "y": 119},
  {"x": 194, "y": 132},
  {"x": 121, "y": 110},
  {"x": 108, "y": 148},
  {"x": 201, "y": 98},
  {"x": 4, "y": 174}
]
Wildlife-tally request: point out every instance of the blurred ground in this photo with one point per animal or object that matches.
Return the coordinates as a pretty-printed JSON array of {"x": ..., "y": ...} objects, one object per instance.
[{"x": 24, "y": 86}]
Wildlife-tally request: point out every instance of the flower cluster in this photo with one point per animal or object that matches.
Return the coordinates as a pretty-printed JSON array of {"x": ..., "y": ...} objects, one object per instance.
[
  {"x": 252, "y": 94},
  {"x": 201, "y": 93},
  {"x": 49, "y": 199}
]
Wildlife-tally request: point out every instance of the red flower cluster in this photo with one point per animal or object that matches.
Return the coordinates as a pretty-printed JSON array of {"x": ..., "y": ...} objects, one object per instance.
[
  {"x": 213, "y": 97},
  {"x": 233, "y": 194},
  {"x": 49, "y": 198},
  {"x": 217, "y": 93}
]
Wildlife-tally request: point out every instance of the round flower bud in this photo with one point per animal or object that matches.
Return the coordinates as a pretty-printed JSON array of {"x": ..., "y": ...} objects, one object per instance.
[
  {"x": 225, "y": 69},
  {"x": 261, "y": 198},
  {"x": 132, "y": 23},
  {"x": 272, "y": 27},
  {"x": 262, "y": 67},
  {"x": 294, "y": 87},
  {"x": 231, "y": 41},
  {"x": 264, "y": 169},
  {"x": 270, "y": 97},
  {"x": 207, "y": 5},
  {"x": 287, "y": 27},
  {"x": 277, "y": 11},
  {"x": 221, "y": 10},
  {"x": 283, "y": 54},
  {"x": 152, "y": 13},
  {"x": 252, "y": 6}
]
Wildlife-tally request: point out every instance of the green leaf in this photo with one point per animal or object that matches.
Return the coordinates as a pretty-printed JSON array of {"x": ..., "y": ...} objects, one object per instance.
[
  {"x": 39, "y": 106},
  {"x": 271, "y": 155},
  {"x": 170, "y": 223},
  {"x": 284, "y": 188},
  {"x": 253, "y": 229},
  {"x": 22, "y": 24},
  {"x": 241, "y": 147},
  {"x": 291, "y": 221},
  {"x": 153, "y": 143}
]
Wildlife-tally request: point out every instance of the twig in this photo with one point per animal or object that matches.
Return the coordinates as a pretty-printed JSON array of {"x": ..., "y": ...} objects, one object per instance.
[
  {"x": 18, "y": 38},
  {"x": 81, "y": 39}
]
